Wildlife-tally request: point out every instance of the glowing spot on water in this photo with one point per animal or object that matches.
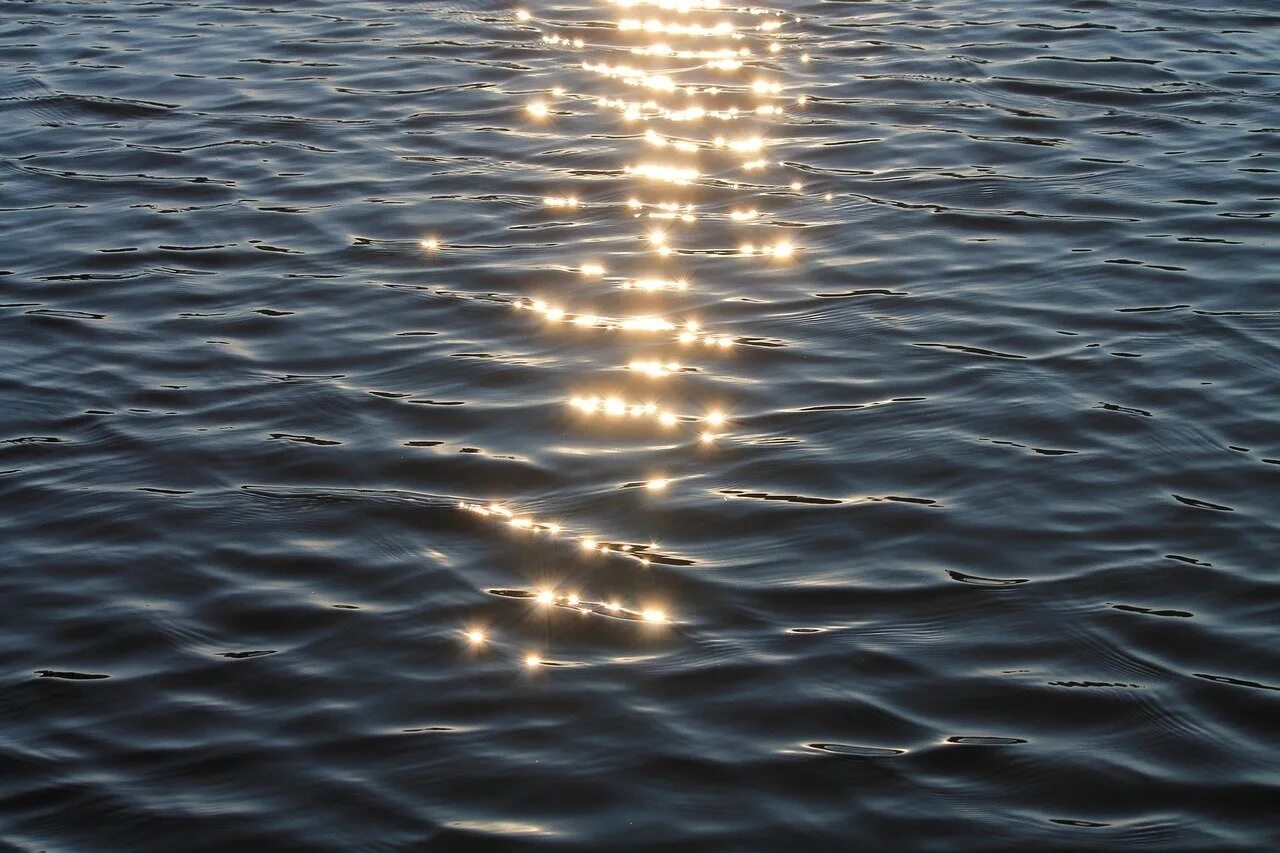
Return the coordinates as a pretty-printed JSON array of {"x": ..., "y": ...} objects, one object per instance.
[
  {"x": 532, "y": 660},
  {"x": 654, "y": 367},
  {"x": 522, "y": 15},
  {"x": 678, "y": 175},
  {"x": 654, "y": 615},
  {"x": 592, "y": 269},
  {"x": 715, "y": 418},
  {"x": 475, "y": 637},
  {"x": 656, "y": 485},
  {"x": 573, "y": 599},
  {"x": 430, "y": 244},
  {"x": 538, "y": 109},
  {"x": 546, "y": 597}
]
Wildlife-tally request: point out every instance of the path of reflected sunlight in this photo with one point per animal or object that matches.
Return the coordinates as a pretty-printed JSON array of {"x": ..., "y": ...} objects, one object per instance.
[{"x": 690, "y": 87}]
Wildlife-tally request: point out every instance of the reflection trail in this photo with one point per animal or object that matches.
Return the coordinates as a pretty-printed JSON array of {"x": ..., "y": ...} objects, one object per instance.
[{"x": 694, "y": 85}]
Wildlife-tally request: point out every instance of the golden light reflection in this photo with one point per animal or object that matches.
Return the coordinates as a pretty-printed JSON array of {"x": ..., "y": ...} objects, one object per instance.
[
  {"x": 668, "y": 210},
  {"x": 612, "y": 607},
  {"x": 686, "y": 332},
  {"x": 558, "y": 39},
  {"x": 693, "y": 92},
  {"x": 679, "y": 175},
  {"x": 654, "y": 367}
]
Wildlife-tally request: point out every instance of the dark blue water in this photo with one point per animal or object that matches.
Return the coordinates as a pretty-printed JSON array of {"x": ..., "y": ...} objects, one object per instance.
[{"x": 915, "y": 487}]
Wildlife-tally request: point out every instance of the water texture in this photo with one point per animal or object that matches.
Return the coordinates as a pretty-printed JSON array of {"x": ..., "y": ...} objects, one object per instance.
[{"x": 837, "y": 425}]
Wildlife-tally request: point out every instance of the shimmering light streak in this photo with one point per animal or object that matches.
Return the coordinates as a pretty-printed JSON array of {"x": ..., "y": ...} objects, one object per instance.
[
  {"x": 671, "y": 28},
  {"x": 654, "y": 368},
  {"x": 679, "y": 175},
  {"x": 781, "y": 249},
  {"x": 613, "y": 607},
  {"x": 653, "y": 285}
]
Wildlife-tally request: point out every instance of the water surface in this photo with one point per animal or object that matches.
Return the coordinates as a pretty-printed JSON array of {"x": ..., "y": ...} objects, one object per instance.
[{"x": 430, "y": 425}]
